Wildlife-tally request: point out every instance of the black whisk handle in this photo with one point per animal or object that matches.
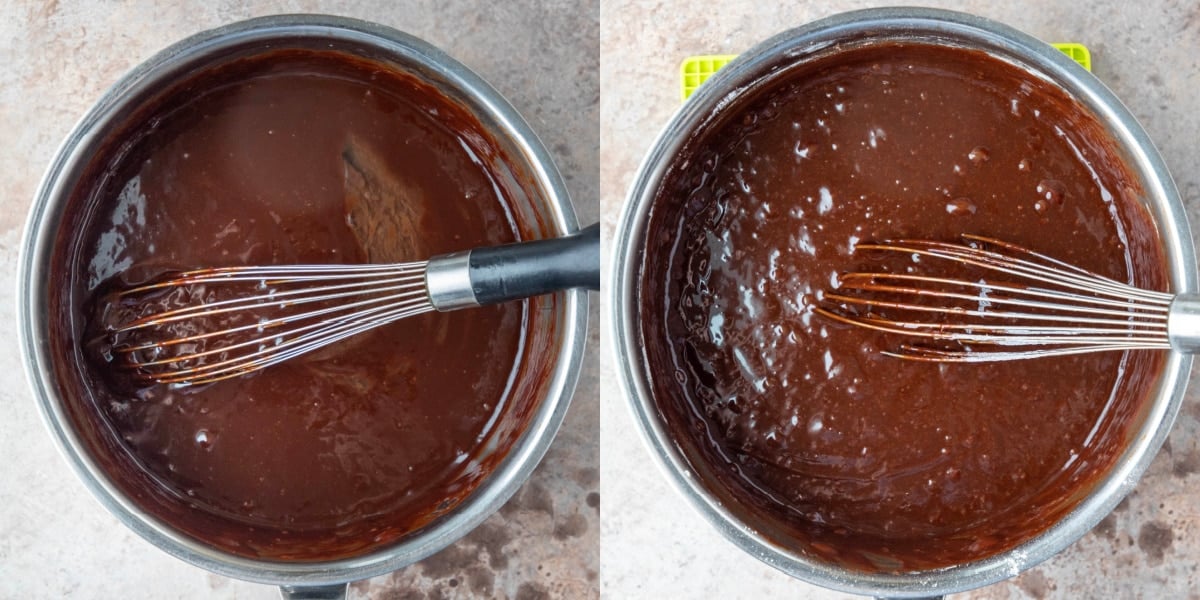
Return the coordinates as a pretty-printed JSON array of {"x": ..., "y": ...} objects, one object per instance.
[
  {"x": 514, "y": 271},
  {"x": 527, "y": 269}
]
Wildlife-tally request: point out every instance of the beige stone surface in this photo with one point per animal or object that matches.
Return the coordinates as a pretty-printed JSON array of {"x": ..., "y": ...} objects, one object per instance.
[
  {"x": 654, "y": 545},
  {"x": 56, "y": 58}
]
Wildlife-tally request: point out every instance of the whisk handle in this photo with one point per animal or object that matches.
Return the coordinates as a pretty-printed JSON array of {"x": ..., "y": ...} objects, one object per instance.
[
  {"x": 533, "y": 268},
  {"x": 516, "y": 271}
]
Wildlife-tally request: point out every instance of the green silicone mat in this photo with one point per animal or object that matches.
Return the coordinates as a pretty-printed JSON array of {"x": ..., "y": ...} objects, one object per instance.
[{"x": 695, "y": 69}]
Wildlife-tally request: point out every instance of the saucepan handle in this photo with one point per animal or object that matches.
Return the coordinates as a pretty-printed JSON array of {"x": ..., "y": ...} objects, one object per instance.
[{"x": 336, "y": 591}]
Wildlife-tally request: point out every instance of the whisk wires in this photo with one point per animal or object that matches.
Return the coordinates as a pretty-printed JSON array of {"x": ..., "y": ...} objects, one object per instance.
[
  {"x": 1024, "y": 305},
  {"x": 231, "y": 321}
]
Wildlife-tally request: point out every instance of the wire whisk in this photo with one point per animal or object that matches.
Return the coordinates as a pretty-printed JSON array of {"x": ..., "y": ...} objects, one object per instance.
[
  {"x": 206, "y": 325},
  {"x": 213, "y": 324},
  {"x": 1025, "y": 305}
]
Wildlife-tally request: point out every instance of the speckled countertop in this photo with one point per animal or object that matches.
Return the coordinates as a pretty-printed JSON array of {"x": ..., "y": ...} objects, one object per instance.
[
  {"x": 55, "y": 60},
  {"x": 654, "y": 545}
]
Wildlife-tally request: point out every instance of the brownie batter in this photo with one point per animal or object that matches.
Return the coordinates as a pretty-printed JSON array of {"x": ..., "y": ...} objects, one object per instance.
[
  {"x": 293, "y": 157},
  {"x": 801, "y": 425}
]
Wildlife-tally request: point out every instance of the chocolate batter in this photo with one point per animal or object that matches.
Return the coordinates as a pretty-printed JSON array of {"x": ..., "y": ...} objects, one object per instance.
[
  {"x": 801, "y": 425},
  {"x": 290, "y": 157}
]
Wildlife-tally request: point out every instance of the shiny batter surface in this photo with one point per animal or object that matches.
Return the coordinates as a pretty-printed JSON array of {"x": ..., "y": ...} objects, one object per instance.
[
  {"x": 801, "y": 425},
  {"x": 297, "y": 157}
]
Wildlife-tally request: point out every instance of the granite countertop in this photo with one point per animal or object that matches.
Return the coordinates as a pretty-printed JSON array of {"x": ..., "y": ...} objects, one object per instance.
[
  {"x": 55, "y": 60},
  {"x": 655, "y": 545}
]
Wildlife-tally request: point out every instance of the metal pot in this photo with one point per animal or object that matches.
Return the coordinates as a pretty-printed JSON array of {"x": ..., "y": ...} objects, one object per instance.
[
  {"x": 558, "y": 322},
  {"x": 743, "y": 76}
]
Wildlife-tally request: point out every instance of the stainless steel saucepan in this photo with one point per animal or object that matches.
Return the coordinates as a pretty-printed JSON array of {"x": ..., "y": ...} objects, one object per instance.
[
  {"x": 557, "y": 324},
  {"x": 741, "y": 78}
]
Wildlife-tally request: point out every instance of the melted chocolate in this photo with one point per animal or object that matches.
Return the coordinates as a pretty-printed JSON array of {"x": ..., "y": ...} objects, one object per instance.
[
  {"x": 800, "y": 424},
  {"x": 299, "y": 157}
]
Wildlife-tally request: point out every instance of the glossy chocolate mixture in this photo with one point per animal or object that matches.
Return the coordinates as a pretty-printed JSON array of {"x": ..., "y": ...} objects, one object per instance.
[
  {"x": 297, "y": 157},
  {"x": 800, "y": 424}
]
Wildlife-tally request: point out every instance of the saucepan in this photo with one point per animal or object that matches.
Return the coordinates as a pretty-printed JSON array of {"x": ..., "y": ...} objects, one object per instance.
[
  {"x": 558, "y": 327},
  {"x": 723, "y": 92}
]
